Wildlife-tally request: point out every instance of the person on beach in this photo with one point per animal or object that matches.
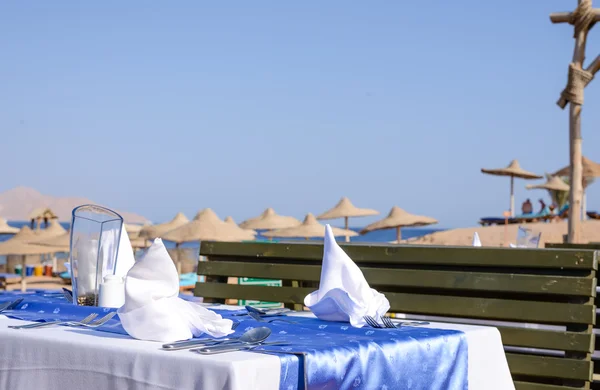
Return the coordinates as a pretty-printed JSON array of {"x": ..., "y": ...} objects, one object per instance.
[
  {"x": 542, "y": 206},
  {"x": 527, "y": 207}
]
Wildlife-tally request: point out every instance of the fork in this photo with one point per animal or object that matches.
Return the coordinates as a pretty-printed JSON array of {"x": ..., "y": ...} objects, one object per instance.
[
  {"x": 10, "y": 305},
  {"x": 258, "y": 318},
  {"x": 96, "y": 323},
  {"x": 372, "y": 322},
  {"x": 389, "y": 324},
  {"x": 36, "y": 325}
]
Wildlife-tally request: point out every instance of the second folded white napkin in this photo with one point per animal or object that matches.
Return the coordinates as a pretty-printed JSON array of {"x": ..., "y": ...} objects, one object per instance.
[
  {"x": 476, "y": 240},
  {"x": 344, "y": 294},
  {"x": 153, "y": 310}
]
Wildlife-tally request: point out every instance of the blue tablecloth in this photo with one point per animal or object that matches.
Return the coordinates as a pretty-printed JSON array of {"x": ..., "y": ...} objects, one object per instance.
[{"x": 320, "y": 355}]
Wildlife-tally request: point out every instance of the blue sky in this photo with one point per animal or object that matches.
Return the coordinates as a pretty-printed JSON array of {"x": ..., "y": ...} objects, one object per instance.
[{"x": 157, "y": 107}]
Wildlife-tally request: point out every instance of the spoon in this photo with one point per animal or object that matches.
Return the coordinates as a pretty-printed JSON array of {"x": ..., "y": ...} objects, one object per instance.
[
  {"x": 252, "y": 338},
  {"x": 264, "y": 312},
  {"x": 247, "y": 337}
]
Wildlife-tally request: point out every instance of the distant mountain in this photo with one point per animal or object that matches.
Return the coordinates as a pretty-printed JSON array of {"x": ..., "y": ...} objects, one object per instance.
[{"x": 17, "y": 203}]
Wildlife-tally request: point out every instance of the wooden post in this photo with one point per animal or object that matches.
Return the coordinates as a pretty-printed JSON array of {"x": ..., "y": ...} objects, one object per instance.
[{"x": 582, "y": 18}]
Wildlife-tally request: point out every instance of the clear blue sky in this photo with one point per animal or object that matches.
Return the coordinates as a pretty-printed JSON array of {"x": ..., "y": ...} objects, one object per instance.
[{"x": 157, "y": 107}]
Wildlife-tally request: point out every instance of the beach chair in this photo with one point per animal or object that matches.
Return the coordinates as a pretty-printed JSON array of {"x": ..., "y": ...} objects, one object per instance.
[
  {"x": 541, "y": 300},
  {"x": 593, "y": 215},
  {"x": 488, "y": 221},
  {"x": 534, "y": 217}
]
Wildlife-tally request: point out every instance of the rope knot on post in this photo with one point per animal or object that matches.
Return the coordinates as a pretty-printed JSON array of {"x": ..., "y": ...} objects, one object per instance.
[
  {"x": 578, "y": 79},
  {"x": 583, "y": 18}
]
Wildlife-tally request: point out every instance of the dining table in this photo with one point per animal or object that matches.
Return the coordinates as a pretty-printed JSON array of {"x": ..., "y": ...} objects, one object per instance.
[{"x": 310, "y": 354}]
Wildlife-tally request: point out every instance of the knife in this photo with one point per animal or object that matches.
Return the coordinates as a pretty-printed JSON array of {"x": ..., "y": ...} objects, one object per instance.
[{"x": 214, "y": 349}]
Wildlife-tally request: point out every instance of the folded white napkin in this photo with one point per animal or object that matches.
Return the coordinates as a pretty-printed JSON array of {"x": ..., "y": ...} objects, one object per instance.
[
  {"x": 125, "y": 258},
  {"x": 87, "y": 251},
  {"x": 153, "y": 310},
  {"x": 476, "y": 241},
  {"x": 344, "y": 294}
]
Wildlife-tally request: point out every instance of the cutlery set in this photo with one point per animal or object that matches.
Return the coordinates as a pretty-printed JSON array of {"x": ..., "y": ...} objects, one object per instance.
[
  {"x": 85, "y": 323},
  {"x": 251, "y": 339},
  {"x": 386, "y": 322}
]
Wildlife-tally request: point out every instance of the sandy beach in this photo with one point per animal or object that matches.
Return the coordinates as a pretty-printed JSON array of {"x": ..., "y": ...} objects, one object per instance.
[{"x": 494, "y": 235}]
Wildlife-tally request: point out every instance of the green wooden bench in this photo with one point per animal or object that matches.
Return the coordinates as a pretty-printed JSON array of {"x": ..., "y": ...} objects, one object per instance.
[
  {"x": 537, "y": 286},
  {"x": 596, "y": 356}
]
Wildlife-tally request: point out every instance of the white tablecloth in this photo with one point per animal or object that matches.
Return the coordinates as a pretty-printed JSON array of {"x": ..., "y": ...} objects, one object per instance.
[{"x": 61, "y": 358}]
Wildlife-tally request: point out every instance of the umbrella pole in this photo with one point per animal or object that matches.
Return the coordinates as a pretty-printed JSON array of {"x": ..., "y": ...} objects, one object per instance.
[
  {"x": 347, "y": 237},
  {"x": 398, "y": 234},
  {"x": 178, "y": 263},
  {"x": 512, "y": 196},
  {"x": 23, "y": 283}
]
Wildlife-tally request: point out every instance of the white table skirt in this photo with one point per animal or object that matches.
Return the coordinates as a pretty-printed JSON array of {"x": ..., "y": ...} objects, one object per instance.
[{"x": 61, "y": 358}]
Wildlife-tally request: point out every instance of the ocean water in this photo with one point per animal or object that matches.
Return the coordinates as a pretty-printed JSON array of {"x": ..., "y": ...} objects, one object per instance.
[{"x": 380, "y": 236}]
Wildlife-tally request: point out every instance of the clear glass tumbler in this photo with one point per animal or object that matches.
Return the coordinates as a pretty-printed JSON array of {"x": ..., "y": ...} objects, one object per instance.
[{"x": 95, "y": 237}]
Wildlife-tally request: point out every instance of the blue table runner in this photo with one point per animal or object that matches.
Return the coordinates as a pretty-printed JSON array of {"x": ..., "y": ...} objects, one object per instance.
[{"x": 320, "y": 355}]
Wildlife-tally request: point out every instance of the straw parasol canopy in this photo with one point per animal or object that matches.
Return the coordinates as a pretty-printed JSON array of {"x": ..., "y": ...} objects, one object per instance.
[
  {"x": 345, "y": 209},
  {"x": 554, "y": 183},
  {"x": 590, "y": 169},
  {"x": 270, "y": 220},
  {"x": 54, "y": 229},
  {"x": 41, "y": 213},
  {"x": 19, "y": 244},
  {"x": 18, "y": 247},
  {"x": 25, "y": 234},
  {"x": 231, "y": 221},
  {"x": 398, "y": 218},
  {"x": 308, "y": 229},
  {"x": 132, "y": 229},
  {"x": 5, "y": 228},
  {"x": 138, "y": 242},
  {"x": 154, "y": 231},
  {"x": 60, "y": 243},
  {"x": 207, "y": 226},
  {"x": 513, "y": 170}
]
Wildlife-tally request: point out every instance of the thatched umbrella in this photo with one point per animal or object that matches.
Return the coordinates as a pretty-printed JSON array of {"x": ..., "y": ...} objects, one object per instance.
[
  {"x": 590, "y": 170},
  {"x": 269, "y": 220},
  {"x": 308, "y": 229},
  {"x": 154, "y": 231},
  {"x": 132, "y": 229},
  {"x": 554, "y": 183},
  {"x": 25, "y": 234},
  {"x": 137, "y": 242},
  {"x": 5, "y": 228},
  {"x": 513, "y": 170},
  {"x": 18, "y": 247},
  {"x": 60, "y": 243},
  {"x": 53, "y": 230},
  {"x": 206, "y": 226},
  {"x": 231, "y": 221},
  {"x": 398, "y": 218},
  {"x": 345, "y": 209}
]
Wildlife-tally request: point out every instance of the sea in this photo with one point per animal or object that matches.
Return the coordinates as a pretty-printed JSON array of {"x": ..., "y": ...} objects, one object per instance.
[{"x": 379, "y": 236}]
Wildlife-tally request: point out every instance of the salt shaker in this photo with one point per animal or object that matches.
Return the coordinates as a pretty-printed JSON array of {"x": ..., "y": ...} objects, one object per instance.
[{"x": 112, "y": 292}]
